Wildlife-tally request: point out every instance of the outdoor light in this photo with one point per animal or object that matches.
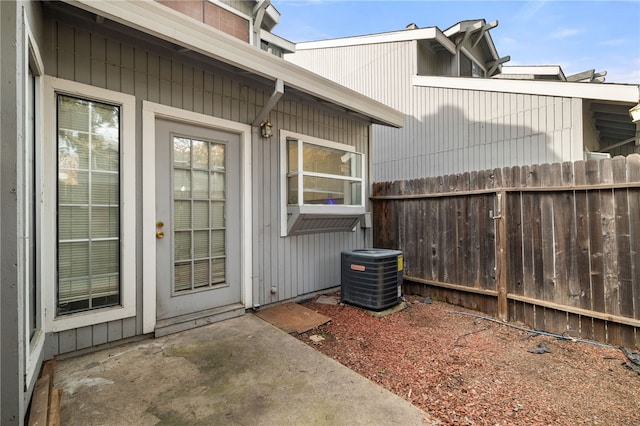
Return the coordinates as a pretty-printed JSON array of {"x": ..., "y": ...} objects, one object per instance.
[
  {"x": 267, "y": 129},
  {"x": 635, "y": 114}
]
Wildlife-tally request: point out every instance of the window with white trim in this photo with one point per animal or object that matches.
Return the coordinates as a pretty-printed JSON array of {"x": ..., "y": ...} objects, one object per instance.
[
  {"x": 89, "y": 230},
  {"x": 88, "y": 243},
  {"x": 323, "y": 185}
]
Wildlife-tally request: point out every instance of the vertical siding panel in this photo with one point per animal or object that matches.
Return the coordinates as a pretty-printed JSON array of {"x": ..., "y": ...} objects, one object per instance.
[
  {"x": 207, "y": 99},
  {"x": 114, "y": 330},
  {"x": 100, "y": 335},
  {"x": 128, "y": 327},
  {"x": 113, "y": 68},
  {"x": 198, "y": 91},
  {"x": 98, "y": 61},
  {"x": 127, "y": 83},
  {"x": 82, "y": 64},
  {"x": 175, "y": 71},
  {"x": 140, "y": 74},
  {"x": 84, "y": 338},
  {"x": 65, "y": 50},
  {"x": 153, "y": 79},
  {"x": 187, "y": 88},
  {"x": 67, "y": 341},
  {"x": 165, "y": 82}
]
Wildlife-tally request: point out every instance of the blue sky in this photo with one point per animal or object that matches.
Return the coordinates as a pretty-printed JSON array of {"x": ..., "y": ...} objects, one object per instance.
[{"x": 577, "y": 35}]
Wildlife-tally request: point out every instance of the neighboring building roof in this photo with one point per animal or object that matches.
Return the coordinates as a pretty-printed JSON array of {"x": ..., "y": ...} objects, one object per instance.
[
  {"x": 451, "y": 39},
  {"x": 162, "y": 22},
  {"x": 413, "y": 33}
]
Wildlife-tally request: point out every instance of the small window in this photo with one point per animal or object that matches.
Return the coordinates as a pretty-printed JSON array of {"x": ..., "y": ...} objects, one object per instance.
[
  {"x": 323, "y": 185},
  {"x": 328, "y": 176},
  {"x": 469, "y": 68}
]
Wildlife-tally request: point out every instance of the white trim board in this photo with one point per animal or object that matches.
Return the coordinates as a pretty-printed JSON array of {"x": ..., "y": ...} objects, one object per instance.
[
  {"x": 49, "y": 204},
  {"x": 167, "y": 24},
  {"x": 150, "y": 112},
  {"x": 604, "y": 92}
]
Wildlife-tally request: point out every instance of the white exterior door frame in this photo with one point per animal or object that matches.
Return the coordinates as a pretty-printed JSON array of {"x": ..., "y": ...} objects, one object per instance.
[{"x": 150, "y": 112}]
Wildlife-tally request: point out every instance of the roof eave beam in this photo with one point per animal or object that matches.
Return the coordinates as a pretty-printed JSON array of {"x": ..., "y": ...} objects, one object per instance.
[
  {"x": 616, "y": 145},
  {"x": 271, "y": 102},
  {"x": 496, "y": 63},
  {"x": 467, "y": 34},
  {"x": 483, "y": 30}
]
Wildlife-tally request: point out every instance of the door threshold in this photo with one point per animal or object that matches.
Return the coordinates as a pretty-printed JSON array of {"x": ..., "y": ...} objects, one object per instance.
[{"x": 198, "y": 319}]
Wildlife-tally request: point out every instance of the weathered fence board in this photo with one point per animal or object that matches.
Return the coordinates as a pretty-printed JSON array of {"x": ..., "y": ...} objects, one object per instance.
[{"x": 556, "y": 246}]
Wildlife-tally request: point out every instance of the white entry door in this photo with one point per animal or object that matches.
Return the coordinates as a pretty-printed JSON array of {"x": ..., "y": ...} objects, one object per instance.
[{"x": 198, "y": 219}]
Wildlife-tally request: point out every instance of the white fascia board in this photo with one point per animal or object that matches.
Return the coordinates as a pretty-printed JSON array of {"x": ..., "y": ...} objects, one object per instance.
[
  {"x": 603, "y": 92},
  {"x": 532, "y": 70},
  {"x": 396, "y": 36},
  {"x": 167, "y": 24},
  {"x": 284, "y": 44},
  {"x": 457, "y": 28}
]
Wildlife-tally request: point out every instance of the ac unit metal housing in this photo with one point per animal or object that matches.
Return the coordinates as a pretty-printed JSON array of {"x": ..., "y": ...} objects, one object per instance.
[{"x": 371, "y": 278}]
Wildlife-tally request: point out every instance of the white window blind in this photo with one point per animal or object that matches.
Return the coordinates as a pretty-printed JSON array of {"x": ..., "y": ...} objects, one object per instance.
[
  {"x": 88, "y": 209},
  {"x": 199, "y": 183}
]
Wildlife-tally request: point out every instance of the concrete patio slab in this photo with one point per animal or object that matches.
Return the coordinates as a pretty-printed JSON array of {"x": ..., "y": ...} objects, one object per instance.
[{"x": 241, "y": 371}]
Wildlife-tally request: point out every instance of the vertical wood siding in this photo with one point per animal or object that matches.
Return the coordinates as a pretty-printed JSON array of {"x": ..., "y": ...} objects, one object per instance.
[
  {"x": 447, "y": 130},
  {"x": 294, "y": 265}
]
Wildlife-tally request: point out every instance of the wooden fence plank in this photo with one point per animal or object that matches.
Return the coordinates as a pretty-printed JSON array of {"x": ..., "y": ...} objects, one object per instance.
[
  {"x": 609, "y": 250},
  {"x": 582, "y": 253},
  {"x": 502, "y": 264},
  {"x": 633, "y": 175},
  {"x": 623, "y": 239},
  {"x": 592, "y": 172}
]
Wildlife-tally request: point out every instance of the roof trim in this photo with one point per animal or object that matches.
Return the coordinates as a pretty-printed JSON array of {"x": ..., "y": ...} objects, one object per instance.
[
  {"x": 284, "y": 44},
  {"x": 431, "y": 33},
  {"x": 165, "y": 23},
  {"x": 533, "y": 70},
  {"x": 603, "y": 92}
]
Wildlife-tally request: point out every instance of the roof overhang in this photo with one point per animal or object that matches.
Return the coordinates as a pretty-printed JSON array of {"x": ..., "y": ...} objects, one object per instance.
[
  {"x": 159, "y": 21},
  {"x": 431, "y": 33},
  {"x": 533, "y": 71},
  {"x": 603, "y": 92},
  {"x": 284, "y": 44}
]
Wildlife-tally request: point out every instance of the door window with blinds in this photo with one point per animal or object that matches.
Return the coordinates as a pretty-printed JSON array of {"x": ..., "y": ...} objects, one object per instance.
[
  {"x": 88, "y": 204},
  {"x": 199, "y": 194}
]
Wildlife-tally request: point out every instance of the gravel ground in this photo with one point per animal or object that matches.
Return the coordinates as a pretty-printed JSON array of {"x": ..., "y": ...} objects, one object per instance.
[{"x": 463, "y": 370}]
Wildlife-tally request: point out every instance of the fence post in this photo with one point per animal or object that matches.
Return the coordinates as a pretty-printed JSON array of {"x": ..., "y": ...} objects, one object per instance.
[{"x": 502, "y": 258}]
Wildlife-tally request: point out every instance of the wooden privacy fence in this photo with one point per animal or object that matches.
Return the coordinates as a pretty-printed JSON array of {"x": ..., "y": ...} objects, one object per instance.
[{"x": 555, "y": 246}]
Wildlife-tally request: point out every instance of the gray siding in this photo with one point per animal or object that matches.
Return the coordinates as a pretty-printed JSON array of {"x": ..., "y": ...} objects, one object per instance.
[
  {"x": 454, "y": 131},
  {"x": 293, "y": 265},
  {"x": 447, "y": 131}
]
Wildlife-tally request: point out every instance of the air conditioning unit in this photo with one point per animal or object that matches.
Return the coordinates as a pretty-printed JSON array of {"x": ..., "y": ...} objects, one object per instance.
[{"x": 371, "y": 278}]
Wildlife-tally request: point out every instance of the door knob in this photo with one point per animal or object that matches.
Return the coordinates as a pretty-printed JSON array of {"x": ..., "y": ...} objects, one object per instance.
[{"x": 159, "y": 235}]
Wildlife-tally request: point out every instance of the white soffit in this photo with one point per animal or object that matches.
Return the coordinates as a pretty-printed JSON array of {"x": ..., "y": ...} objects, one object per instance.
[
  {"x": 167, "y": 24},
  {"x": 603, "y": 92}
]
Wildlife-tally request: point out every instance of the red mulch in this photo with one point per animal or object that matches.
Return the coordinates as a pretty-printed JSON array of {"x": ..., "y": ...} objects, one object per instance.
[{"x": 468, "y": 371}]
